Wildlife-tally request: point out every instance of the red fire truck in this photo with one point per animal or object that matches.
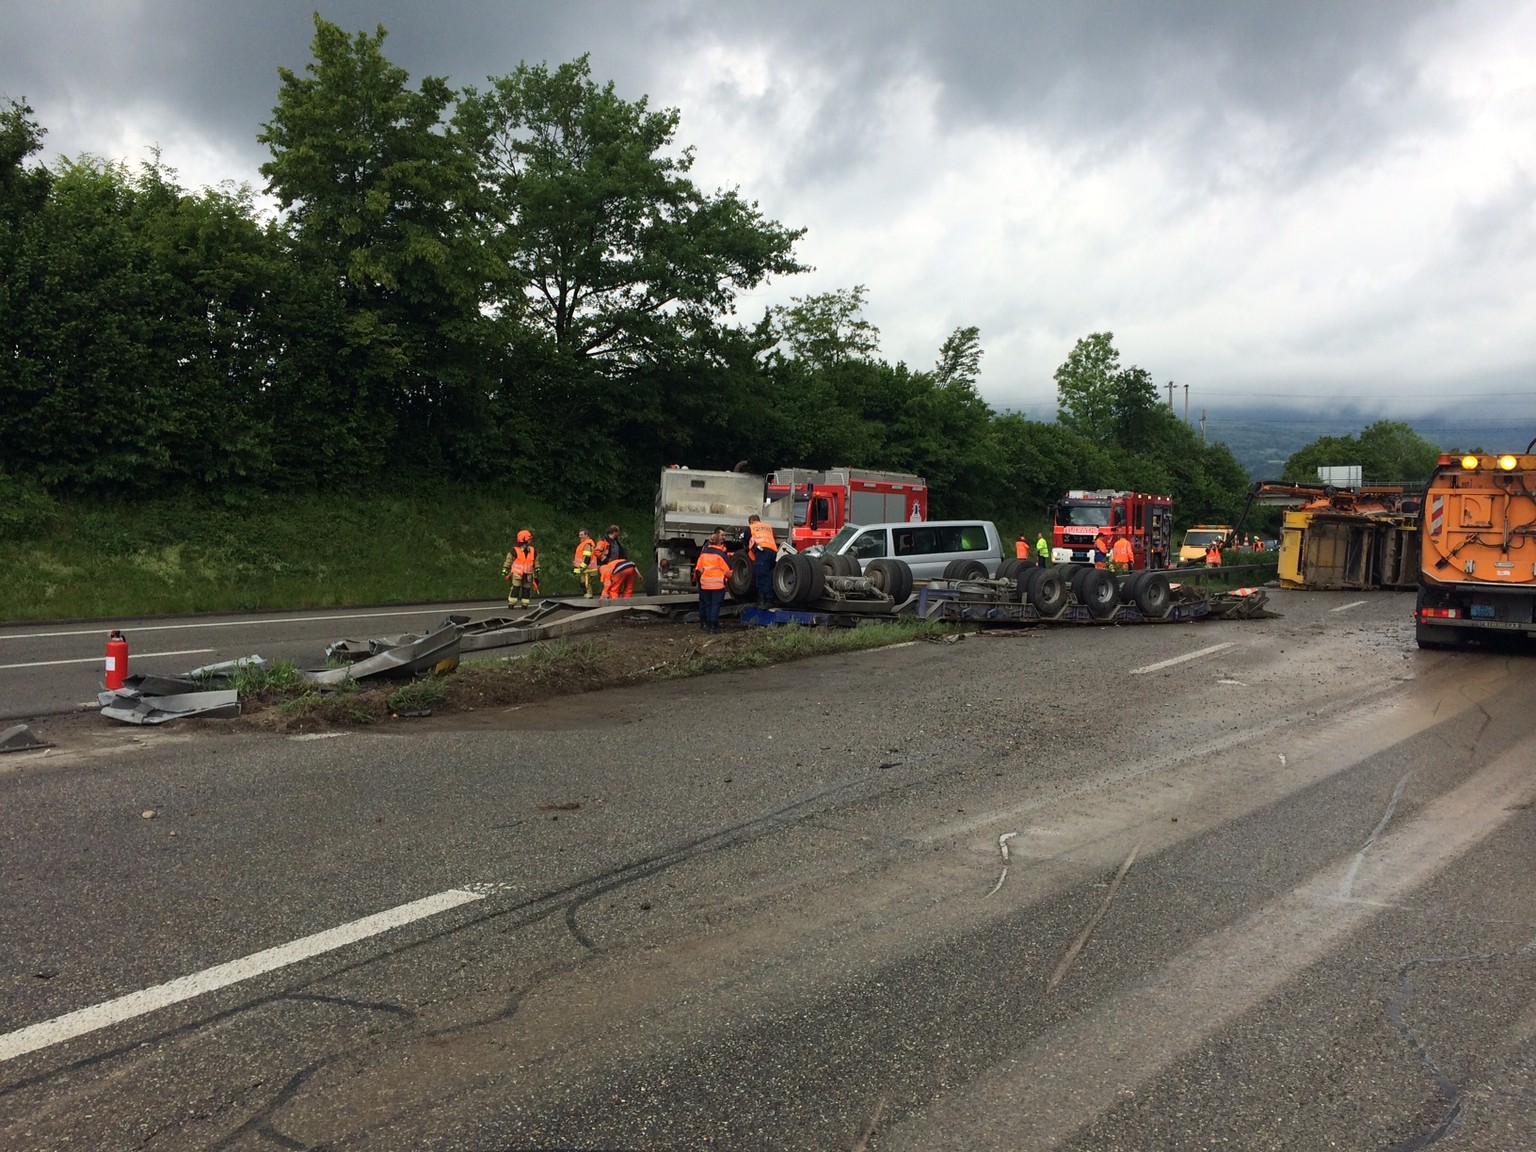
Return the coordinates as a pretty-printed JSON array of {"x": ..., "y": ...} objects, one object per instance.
[
  {"x": 825, "y": 501},
  {"x": 1078, "y": 518}
]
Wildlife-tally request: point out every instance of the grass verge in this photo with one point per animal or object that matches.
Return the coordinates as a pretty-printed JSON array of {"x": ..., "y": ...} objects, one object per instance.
[{"x": 567, "y": 668}]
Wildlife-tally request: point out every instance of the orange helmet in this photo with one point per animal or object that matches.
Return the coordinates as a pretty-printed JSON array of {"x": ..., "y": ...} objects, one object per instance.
[{"x": 524, "y": 536}]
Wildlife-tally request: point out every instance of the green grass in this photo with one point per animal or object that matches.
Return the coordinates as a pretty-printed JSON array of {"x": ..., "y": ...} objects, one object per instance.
[{"x": 99, "y": 559}]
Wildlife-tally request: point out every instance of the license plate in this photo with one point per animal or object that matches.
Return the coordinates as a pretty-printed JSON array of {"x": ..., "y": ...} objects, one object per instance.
[{"x": 1481, "y": 612}]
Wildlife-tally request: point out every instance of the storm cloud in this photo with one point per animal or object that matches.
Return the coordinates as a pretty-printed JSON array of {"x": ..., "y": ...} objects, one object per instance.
[{"x": 1311, "y": 202}]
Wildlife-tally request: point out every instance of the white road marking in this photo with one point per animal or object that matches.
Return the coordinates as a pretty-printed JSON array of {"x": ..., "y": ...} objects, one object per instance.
[
  {"x": 140, "y": 629},
  {"x": 884, "y": 648},
  {"x": 72, "y": 1024},
  {"x": 100, "y": 659},
  {"x": 1347, "y": 607},
  {"x": 1195, "y": 655}
]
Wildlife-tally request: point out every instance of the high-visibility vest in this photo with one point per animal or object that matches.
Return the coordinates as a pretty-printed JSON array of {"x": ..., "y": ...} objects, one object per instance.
[
  {"x": 1042, "y": 549},
  {"x": 1213, "y": 557},
  {"x": 1122, "y": 552},
  {"x": 585, "y": 557},
  {"x": 713, "y": 567},
  {"x": 762, "y": 539},
  {"x": 1021, "y": 548},
  {"x": 523, "y": 559}
]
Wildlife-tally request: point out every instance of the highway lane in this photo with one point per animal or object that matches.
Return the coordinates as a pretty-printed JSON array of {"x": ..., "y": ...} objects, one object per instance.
[
  {"x": 1264, "y": 887},
  {"x": 46, "y": 669}
]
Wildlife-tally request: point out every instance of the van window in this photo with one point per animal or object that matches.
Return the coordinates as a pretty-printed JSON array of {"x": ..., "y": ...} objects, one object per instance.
[
  {"x": 868, "y": 545},
  {"x": 932, "y": 539}
]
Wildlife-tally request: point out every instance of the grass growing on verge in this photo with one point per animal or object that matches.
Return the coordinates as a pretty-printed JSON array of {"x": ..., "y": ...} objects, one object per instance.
[{"x": 566, "y": 667}]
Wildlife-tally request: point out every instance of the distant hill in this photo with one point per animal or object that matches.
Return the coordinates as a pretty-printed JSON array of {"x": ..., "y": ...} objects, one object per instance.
[{"x": 1264, "y": 437}]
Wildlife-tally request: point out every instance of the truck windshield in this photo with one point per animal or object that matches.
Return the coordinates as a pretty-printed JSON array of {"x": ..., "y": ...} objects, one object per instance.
[
  {"x": 802, "y": 508},
  {"x": 1196, "y": 538},
  {"x": 1083, "y": 515},
  {"x": 844, "y": 534}
]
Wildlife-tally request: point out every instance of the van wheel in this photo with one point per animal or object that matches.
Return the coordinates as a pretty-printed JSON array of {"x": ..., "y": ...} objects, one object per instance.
[{"x": 742, "y": 584}]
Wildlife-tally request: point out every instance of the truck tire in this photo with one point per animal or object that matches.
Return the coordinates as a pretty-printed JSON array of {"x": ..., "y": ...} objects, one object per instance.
[
  {"x": 652, "y": 580},
  {"x": 1009, "y": 568},
  {"x": 891, "y": 577},
  {"x": 1153, "y": 596},
  {"x": 1048, "y": 593},
  {"x": 797, "y": 580},
  {"x": 742, "y": 584},
  {"x": 951, "y": 570},
  {"x": 850, "y": 564},
  {"x": 971, "y": 570},
  {"x": 1099, "y": 592},
  {"x": 1027, "y": 579}
]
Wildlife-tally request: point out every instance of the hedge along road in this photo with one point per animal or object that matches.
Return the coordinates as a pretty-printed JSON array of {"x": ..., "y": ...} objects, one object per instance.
[
  {"x": 1023, "y": 890},
  {"x": 47, "y": 669}
]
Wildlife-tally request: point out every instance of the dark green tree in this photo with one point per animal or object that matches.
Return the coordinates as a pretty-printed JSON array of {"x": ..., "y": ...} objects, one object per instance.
[
  {"x": 1087, "y": 388},
  {"x": 380, "y": 201},
  {"x": 1387, "y": 452}
]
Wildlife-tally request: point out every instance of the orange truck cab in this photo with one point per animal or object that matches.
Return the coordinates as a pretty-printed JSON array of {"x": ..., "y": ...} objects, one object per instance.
[{"x": 1477, "y": 549}]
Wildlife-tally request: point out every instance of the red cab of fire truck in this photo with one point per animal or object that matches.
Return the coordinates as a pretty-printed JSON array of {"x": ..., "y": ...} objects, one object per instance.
[
  {"x": 826, "y": 501},
  {"x": 1079, "y": 517},
  {"x": 1477, "y": 549}
]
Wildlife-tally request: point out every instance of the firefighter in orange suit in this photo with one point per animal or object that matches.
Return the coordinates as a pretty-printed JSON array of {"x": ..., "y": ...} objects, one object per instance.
[
  {"x": 711, "y": 572},
  {"x": 1122, "y": 555},
  {"x": 618, "y": 579},
  {"x": 521, "y": 569},
  {"x": 763, "y": 550},
  {"x": 584, "y": 563},
  {"x": 1021, "y": 547}
]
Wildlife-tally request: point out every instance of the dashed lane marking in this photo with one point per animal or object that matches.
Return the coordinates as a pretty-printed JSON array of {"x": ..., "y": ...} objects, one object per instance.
[
  {"x": 104, "y": 1015},
  {"x": 98, "y": 659},
  {"x": 1347, "y": 607},
  {"x": 1195, "y": 655}
]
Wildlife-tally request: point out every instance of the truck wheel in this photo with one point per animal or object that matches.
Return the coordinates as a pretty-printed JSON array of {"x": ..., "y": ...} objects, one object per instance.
[
  {"x": 891, "y": 577},
  {"x": 652, "y": 580},
  {"x": 742, "y": 582},
  {"x": 850, "y": 564},
  {"x": 1009, "y": 568},
  {"x": 797, "y": 580},
  {"x": 1099, "y": 591},
  {"x": 1047, "y": 593},
  {"x": 951, "y": 570},
  {"x": 1028, "y": 578},
  {"x": 1153, "y": 596},
  {"x": 970, "y": 570}
]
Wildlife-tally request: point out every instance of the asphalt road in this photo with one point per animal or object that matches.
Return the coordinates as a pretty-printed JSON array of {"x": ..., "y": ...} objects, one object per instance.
[
  {"x": 52, "y": 668},
  {"x": 1266, "y": 887}
]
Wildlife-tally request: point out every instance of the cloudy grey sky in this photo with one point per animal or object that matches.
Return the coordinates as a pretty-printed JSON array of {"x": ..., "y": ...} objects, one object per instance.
[{"x": 1315, "y": 201}]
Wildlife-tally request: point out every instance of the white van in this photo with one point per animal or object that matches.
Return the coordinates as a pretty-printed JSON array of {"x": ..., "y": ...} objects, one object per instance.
[{"x": 927, "y": 546}]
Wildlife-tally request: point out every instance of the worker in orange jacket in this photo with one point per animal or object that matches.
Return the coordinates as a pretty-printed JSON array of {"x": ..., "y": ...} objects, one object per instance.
[
  {"x": 1213, "y": 555},
  {"x": 711, "y": 572},
  {"x": 521, "y": 570},
  {"x": 1021, "y": 548},
  {"x": 762, "y": 550},
  {"x": 1122, "y": 555},
  {"x": 584, "y": 565},
  {"x": 618, "y": 579}
]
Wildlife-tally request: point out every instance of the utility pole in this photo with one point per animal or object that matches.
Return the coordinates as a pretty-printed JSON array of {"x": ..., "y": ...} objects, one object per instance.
[
  {"x": 1170, "y": 395},
  {"x": 1202, "y": 426},
  {"x": 1186, "y": 403}
]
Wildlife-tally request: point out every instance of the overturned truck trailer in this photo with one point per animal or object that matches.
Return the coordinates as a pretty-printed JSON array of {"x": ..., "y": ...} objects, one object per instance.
[{"x": 1344, "y": 538}]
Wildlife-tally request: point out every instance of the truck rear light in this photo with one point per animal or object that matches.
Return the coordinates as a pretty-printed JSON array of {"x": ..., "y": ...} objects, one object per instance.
[
  {"x": 1508, "y": 463},
  {"x": 1439, "y": 613},
  {"x": 1469, "y": 463},
  {"x": 663, "y": 563}
]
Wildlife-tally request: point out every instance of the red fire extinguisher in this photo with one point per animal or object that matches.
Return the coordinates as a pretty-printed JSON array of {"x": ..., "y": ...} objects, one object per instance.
[{"x": 117, "y": 660}]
